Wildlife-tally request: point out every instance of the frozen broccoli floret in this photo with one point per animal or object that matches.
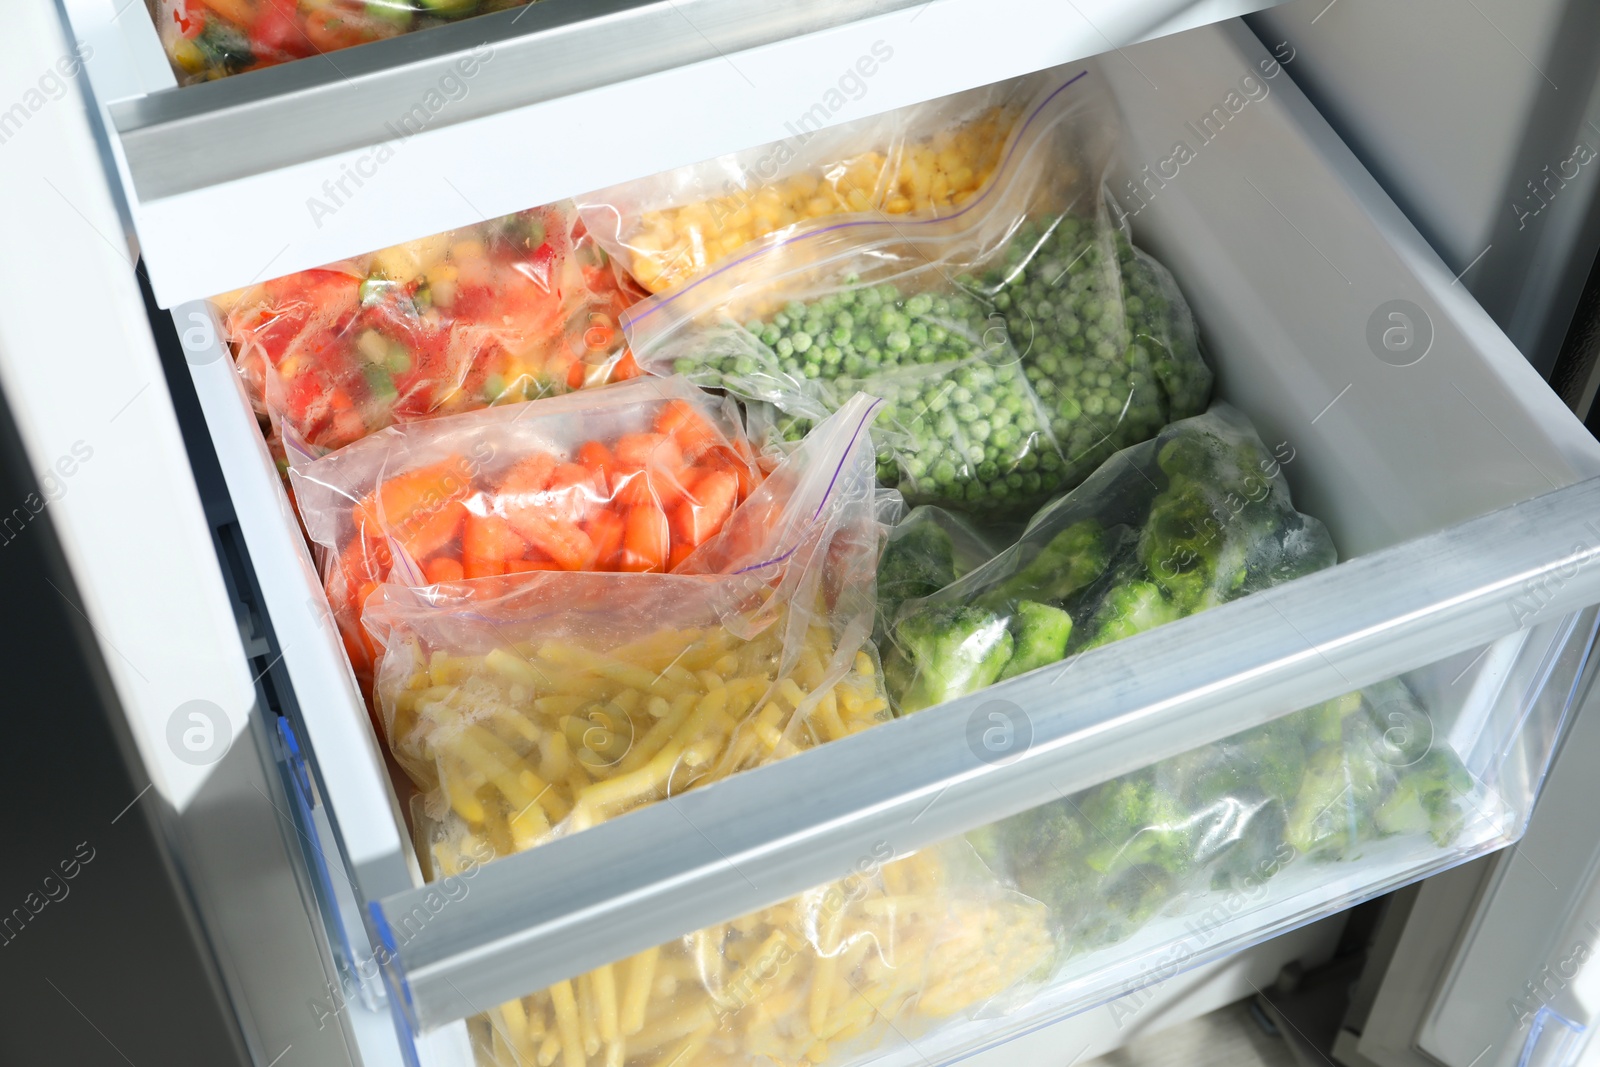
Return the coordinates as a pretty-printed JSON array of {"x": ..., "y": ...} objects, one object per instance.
[
  {"x": 1068, "y": 562},
  {"x": 1138, "y": 822},
  {"x": 919, "y": 562},
  {"x": 1129, "y": 609},
  {"x": 1040, "y": 633},
  {"x": 1427, "y": 798},
  {"x": 1334, "y": 810},
  {"x": 946, "y": 651}
]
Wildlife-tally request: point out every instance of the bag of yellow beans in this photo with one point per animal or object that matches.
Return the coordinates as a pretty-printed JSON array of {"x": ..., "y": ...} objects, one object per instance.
[
  {"x": 926, "y": 160},
  {"x": 562, "y": 699}
]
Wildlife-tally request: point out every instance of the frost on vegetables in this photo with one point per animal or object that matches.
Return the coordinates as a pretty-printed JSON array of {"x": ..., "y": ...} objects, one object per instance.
[{"x": 517, "y": 308}]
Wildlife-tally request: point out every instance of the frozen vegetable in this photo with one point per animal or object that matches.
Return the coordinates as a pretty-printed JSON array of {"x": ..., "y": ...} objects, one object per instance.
[
  {"x": 521, "y": 307},
  {"x": 1196, "y": 517},
  {"x": 924, "y": 551},
  {"x": 541, "y": 709},
  {"x": 924, "y": 160},
  {"x": 1106, "y": 338},
  {"x": 1316, "y": 785},
  {"x": 1013, "y": 351},
  {"x": 632, "y": 477},
  {"x": 210, "y": 39},
  {"x": 899, "y": 945}
]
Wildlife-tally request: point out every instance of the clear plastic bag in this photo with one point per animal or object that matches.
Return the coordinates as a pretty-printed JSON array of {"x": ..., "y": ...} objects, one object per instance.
[
  {"x": 576, "y": 697},
  {"x": 1195, "y": 517},
  {"x": 903, "y": 942},
  {"x": 618, "y": 689},
  {"x": 1318, "y": 785},
  {"x": 925, "y": 160},
  {"x": 923, "y": 552},
  {"x": 516, "y": 308},
  {"x": 210, "y": 39},
  {"x": 632, "y": 477},
  {"x": 999, "y": 397}
]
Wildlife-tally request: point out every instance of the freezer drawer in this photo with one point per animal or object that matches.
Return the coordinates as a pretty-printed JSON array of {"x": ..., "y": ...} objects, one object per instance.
[
  {"x": 337, "y": 155},
  {"x": 1453, "y": 480}
]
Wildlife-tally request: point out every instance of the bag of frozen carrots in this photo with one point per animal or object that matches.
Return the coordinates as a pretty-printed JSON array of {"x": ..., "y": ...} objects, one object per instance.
[
  {"x": 566, "y": 699},
  {"x": 632, "y": 477},
  {"x": 512, "y": 309}
]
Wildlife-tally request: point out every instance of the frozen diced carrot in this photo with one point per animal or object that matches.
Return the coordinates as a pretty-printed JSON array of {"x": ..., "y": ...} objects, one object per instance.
[
  {"x": 443, "y": 569},
  {"x": 645, "y": 539},
  {"x": 491, "y": 538}
]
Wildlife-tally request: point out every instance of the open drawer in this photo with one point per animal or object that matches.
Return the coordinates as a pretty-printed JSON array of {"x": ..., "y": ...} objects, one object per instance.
[
  {"x": 1458, "y": 489},
  {"x": 338, "y": 154}
]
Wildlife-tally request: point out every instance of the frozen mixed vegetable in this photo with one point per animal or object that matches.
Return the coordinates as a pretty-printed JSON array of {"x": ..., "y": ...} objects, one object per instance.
[
  {"x": 210, "y": 39},
  {"x": 633, "y": 477},
  {"x": 521, "y": 307}
]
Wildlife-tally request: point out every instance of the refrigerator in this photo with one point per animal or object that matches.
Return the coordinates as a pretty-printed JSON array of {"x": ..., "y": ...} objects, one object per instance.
[{"x": 1384, "y": 219}]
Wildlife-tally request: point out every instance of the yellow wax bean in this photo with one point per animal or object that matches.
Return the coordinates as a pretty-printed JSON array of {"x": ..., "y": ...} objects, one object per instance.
[
  {"x": 586, "y": 1015},
  {"x": 605, "y": 1003},
  {"x": 641, "y": 975},
  {"x": 566, "y": 1007},
  {"x": 513, "y": 667}
]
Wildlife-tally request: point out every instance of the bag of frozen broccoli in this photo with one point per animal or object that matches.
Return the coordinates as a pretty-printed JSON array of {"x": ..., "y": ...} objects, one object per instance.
[
  {"x": 1019, "y": 341},
  {"x": 1197, "y": 517}
]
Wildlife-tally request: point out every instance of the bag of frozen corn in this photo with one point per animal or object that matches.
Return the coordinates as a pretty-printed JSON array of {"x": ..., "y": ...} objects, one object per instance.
[
  {"x": 632, "y": 477},
  {"x": 922, "y": 161},
  {"x": 565, "y": 699},
  {"x": 511, "y": 309}
]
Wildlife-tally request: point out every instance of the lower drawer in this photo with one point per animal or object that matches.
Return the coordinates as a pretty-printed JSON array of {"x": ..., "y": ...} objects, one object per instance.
[{"x": 1294, "y": 262}]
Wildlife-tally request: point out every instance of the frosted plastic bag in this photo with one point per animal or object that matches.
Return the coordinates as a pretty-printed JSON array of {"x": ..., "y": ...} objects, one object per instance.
[
  {"x": 1196, "y": 517},
  {"x": 940, "y": 317},
  {"x": 512, "y": 309},
  {"x": 925, "y": 160},
  {"x": 210, "y": 39},
  {"x": 630, "y": 477},
  {"x": 576, "y": 697}
]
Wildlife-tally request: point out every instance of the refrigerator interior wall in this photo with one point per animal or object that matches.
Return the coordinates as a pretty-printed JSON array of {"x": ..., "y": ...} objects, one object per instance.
[
  {"x": 1254, "y": 228},
  {"x": 1483, "y": 122}
]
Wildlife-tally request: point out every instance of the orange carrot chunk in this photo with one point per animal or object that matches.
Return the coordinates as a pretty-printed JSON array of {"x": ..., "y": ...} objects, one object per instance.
[{"x": 645, "y": 539}]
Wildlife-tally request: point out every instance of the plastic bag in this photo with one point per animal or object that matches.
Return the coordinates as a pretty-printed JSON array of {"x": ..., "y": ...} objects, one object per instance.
[
  {"x": 1315, "y": 785},
  {"x": 210, "y": 39},
  {"x": 923, "y": 552},
  {"x": 1196, "y": 517},
  {"x": 925, "y": 160},
  {"x": 631, "y": 477},
  {"x": 943, "y": 318},
  {"x": 902, "y": 942},
  {"x": 513, "y": 309},
  {"x": 576, "y": 697},
  {"x": 616, "y": 689}
]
